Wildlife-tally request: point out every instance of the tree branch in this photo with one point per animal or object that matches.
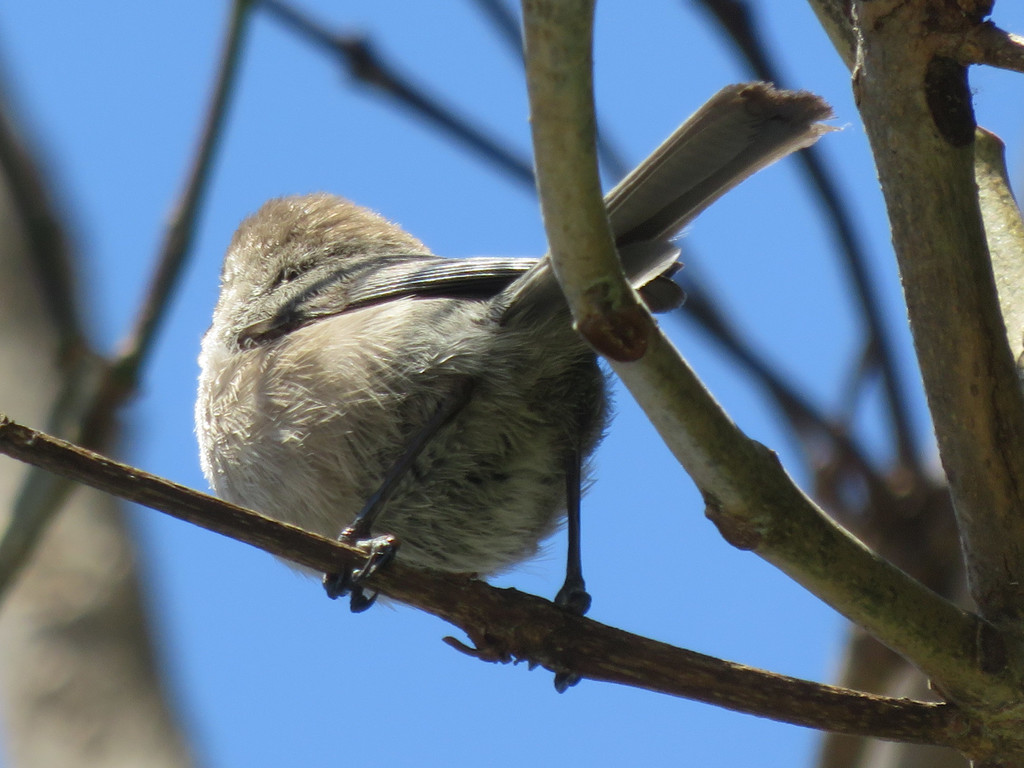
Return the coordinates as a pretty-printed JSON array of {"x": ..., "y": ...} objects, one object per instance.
[
  {"x": 749, "y": 496},
  {"x": 506, "y": 625},
  {"x": 559, "y": 67},
  {"x": 917, "y": 110}
]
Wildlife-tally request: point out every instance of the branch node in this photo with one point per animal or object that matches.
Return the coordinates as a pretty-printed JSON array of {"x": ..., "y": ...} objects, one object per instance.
[
  {"x": 619, "y": 332},
  {"x": 737, "y": 530}
]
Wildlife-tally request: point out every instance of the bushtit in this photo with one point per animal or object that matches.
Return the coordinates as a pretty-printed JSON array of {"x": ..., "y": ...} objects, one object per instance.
[{"x": 354, "y": 383}]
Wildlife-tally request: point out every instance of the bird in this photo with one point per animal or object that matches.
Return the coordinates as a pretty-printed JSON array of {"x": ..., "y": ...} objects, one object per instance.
[{"x": 357, "y": 385}]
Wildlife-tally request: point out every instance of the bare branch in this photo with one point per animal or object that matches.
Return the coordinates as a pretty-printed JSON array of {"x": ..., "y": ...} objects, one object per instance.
[
  {"x": 507, "y": 625},
  {"x": 917, "y": 110},
  {"x": 749, "y": 496},
  {"x": 607, "y": 311}
]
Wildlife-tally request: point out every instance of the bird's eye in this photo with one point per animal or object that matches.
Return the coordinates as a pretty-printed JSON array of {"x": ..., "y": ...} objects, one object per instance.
[{"x": 291, "y": 272}]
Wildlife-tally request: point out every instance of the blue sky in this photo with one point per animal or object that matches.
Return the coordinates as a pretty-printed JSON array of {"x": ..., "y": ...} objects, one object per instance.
[{"x": 266, "y": 670}]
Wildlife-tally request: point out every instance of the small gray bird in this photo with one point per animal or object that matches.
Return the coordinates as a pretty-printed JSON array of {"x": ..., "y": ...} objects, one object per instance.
[{"x": 353, "y": 383}]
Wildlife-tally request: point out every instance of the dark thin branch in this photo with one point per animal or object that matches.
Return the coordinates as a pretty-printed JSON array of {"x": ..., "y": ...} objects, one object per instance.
[
  {"x": 507, "y": 625},
  {"x": 356, "y": 54},
  {"x": 736, "y": 18},
  {"x": 856, "y": 381}
]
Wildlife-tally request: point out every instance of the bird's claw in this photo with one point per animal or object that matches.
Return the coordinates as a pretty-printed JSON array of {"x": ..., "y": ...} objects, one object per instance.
[
  {"x": 379, "y": 551},
  {"x": 566, "y": 680},
  {"x": 573, "y": 597}
]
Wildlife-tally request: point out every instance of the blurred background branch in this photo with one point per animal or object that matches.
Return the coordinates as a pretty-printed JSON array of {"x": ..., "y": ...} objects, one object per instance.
[{"x": 81, "y": 684}]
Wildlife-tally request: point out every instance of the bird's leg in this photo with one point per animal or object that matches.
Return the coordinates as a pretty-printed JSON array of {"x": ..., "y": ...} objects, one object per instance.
[
  {"x": 573, "y": 595},
  {"x": 381, "y": 549}
]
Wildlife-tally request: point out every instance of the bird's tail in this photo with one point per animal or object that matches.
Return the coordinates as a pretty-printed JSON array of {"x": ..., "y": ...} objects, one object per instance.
[{"x": 739, "y": 131}]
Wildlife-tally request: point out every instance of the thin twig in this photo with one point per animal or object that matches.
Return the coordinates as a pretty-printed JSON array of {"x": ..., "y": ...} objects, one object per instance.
[{"x": 507, "y": 625}]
